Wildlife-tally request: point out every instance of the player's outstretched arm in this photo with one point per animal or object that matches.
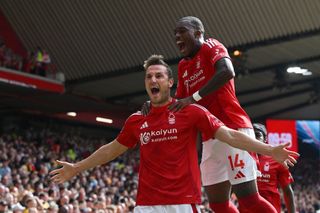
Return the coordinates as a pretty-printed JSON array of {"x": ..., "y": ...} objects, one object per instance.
[
  {"x": 242, "y": 141},
  {"x": 101, "y": 156}
]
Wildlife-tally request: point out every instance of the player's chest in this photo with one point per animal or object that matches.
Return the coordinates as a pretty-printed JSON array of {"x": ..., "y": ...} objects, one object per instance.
[
  {"x": 196, "y": 70},
  {"x": 162, "y": 129},
  {"x": 268, "y": 169}
]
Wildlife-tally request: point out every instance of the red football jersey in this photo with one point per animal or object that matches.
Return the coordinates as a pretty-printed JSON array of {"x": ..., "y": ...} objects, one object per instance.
[
  {"x": 273, "y": 176},
  {"x": 194, "y": 73},
  {"x": 169, "y": 171}
]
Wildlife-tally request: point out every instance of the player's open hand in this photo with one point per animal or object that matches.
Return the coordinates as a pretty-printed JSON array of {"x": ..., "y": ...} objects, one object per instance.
[
  {"x": 145, "y": 109},
  {"x": 284, "y": 156},
  {"x": 180, "y": 104},
  {"x": 65, "y": 173}
]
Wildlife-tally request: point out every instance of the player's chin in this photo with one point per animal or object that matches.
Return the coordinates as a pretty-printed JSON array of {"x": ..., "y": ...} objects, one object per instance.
[
  {"x": 184, "y": 53},
  {"x": 154, "y": 98}
]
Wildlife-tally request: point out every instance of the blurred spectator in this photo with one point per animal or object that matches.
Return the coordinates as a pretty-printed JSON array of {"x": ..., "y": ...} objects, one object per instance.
[
  {"x": 29, "y": 63},
  {"x": 2, "y": 53},
  {"x": 46, "y": 60},
  {"x": 37, "y": 62},
  {"x": 3, "y": 206}
]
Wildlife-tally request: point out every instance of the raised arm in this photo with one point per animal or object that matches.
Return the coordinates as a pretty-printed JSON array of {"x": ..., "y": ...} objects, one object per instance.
[
  {"x": 101, "y": 156},
  {"x": 242, "y": 141},
  {"x": 224, "y": 72}
]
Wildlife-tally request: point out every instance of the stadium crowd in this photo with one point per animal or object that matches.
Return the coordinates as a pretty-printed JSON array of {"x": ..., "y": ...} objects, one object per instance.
[
  {"x": 27, "y": 157},
  {"x": 36, "y": 62}
]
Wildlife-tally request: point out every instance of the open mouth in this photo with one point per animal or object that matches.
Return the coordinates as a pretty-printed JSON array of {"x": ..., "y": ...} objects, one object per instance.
[
  {"x": 155, "y": 91},
  {"x": 181, "y": 45}
]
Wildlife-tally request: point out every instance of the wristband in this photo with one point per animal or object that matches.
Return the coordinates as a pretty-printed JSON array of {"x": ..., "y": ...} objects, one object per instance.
[{"x": 196, "y": 96}]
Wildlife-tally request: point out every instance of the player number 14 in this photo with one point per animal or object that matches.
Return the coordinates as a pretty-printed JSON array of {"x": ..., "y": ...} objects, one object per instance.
[{"x": 234, "y": 163}]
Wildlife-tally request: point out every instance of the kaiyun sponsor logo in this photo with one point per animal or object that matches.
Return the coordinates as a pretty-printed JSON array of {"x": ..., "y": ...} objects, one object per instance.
[{"x": 157, "y": 135}]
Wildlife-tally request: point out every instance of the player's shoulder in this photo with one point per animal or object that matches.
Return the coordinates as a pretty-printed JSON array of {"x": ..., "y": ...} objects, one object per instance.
[
  {"x": 197, "y": 111},
  {"x": 196, "y": 107},
  {"x": 182, "y": 62},
  {"x": 268, "y": 159},
  {"x": 211, "y": 43},
  {"x": 135, "y": 116}
]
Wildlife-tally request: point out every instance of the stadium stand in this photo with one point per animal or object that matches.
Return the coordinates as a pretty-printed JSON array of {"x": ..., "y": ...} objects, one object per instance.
[{"x": 28, "y": 155}]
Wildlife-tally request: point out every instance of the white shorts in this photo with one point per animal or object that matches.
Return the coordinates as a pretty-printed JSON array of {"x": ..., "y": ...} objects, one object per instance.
[
  {"x": 221, "y": 162},
  {"x": 181, "y": 208}
]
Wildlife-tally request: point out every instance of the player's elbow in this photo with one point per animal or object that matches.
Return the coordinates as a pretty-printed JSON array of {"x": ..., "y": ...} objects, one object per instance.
[
  {"x": 288, "y": 191},
  {"x": 226, "y": 135},
  {"x": 224, "y": 67},
  {"x": 230, "y": 74},
  {"x": 229, "y": 69}
]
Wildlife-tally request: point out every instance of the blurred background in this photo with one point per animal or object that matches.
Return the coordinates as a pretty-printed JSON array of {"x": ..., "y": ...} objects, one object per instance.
[{"x": 71, "y": 72}]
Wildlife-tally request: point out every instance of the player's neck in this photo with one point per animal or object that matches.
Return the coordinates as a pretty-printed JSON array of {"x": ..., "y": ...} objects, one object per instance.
[
  {"x": 195, "y": 50},
  {"x": 164, "y": 103}
]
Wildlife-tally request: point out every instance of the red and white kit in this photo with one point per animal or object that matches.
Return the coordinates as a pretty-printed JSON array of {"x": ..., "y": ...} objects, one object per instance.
[
  {"x": 172, "y": 175},
  {"x": 273, "y": 176},
  {"x": 220, "y": 162}
]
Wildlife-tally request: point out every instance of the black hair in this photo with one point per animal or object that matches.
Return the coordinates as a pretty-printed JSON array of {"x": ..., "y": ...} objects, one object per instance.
[
  {"x": 261, "y": 128},
  {"x": 195, "y": 22}
]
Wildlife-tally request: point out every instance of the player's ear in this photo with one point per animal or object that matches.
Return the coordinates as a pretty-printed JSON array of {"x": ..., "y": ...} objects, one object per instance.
[
  {"x": 197, "y": 34},
  {"x": 171, "y": 82}
]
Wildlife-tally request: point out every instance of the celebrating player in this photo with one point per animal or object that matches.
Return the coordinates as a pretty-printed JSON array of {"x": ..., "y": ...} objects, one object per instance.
[
  {"x": 169, "y": 176},
  {"x": 273, "y": 175},
  {"x": 205, "y": 76}
]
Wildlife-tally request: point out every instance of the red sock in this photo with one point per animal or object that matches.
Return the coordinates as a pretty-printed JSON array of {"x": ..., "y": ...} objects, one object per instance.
[
  {"x": 226, "y": 207},
  {"x": 255, "y": 203}
]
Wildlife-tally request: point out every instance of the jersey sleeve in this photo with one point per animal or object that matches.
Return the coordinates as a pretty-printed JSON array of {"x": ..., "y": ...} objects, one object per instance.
[
  {"x": 285, "y": 178},
  {"x": 215, "y": 50},
  {"x": 205, "y": 122},
  {"x": 180, "y": 91},
  {"x": 126, "y": 136}
]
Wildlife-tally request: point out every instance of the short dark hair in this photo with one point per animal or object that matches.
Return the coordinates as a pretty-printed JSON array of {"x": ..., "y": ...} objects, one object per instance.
[
  {"x": 157, "y": 60},
  {"x": 195, "y": 22},
  {"x": 260, "y": 128}
]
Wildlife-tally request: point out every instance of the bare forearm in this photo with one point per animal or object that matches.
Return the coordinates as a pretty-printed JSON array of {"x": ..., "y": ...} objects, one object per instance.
[
  {"x": 242, "y": 141},
  {"x": 224, "y": 72},
  {"x": 289, "y": 199},
  {"x": 101, "y": 156}
]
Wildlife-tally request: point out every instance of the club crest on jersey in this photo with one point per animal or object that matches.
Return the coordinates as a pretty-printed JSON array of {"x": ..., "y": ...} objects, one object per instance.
[
  {"x": 171, "y": 118},
  {"x": 266, "y": 167}
]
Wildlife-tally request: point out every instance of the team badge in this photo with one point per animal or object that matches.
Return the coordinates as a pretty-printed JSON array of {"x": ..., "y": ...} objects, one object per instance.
[
  {"x": 266, "y": 167},
  {"x": 171, "y": 118}
]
